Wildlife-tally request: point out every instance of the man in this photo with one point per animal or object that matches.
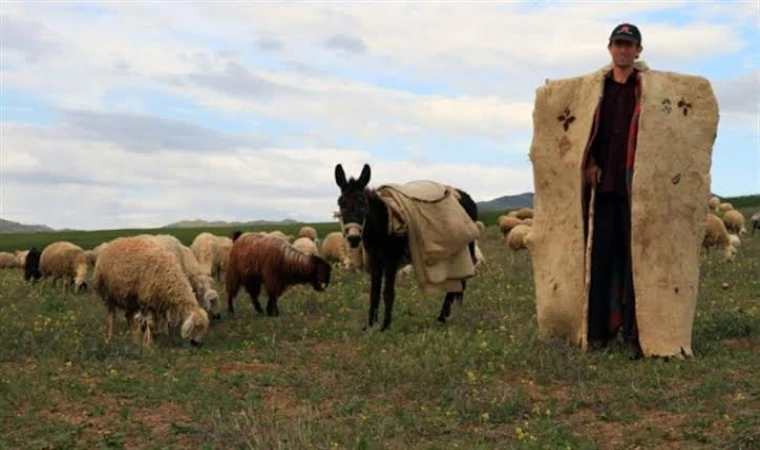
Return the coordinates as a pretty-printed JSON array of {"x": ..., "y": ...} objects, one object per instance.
[{"x": 612, "y": 301}]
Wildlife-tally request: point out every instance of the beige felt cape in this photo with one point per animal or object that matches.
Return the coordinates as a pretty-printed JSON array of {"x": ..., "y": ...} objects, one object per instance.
[
  {"x": 670, "y": 187},
  {"x": 438, "y": 230}
]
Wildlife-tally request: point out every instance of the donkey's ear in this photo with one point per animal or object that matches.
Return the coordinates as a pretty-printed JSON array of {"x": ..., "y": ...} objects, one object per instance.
[
  {"x": 364, "y": 176},
  {"x": 340, "y": 177}
]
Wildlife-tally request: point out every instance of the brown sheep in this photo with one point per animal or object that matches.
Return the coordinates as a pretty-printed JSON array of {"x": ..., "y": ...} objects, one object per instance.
[
  {"x": 716, "y": 235},
  {"x": 306, "y": 245},
  {"x": 267, "y": 260},
  {"x": 525, "y": 213},
  {"x": 8, "y": 260},
  {"x": 516, "y": 239},
  {"x": 66, "y": 261},
  {"x": 506, "y": 223}
]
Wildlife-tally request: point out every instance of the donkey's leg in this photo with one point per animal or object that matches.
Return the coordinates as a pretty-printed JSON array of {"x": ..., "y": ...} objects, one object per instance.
[
  {"x": 389, "y": 293},
  {"x": 374, "y": 293},
  {"x": 446, "y": 307}
]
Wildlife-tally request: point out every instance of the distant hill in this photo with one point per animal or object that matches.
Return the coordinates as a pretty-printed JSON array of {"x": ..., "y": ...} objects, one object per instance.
[
  {"x": 9, "y": 226},
  {"x": 506, "y": 202},
  {"x": 199, "y": 223}
]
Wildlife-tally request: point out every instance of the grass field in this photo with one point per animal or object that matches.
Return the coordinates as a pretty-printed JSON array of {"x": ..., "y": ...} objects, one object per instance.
[{"x": 311, "y": 379}]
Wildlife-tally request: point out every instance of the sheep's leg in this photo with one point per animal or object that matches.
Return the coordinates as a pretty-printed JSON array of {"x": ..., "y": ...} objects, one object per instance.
[
  {"x": 253, "y": 287},
  {"x": 147, "y": 337},
  {"x": 272, "y": 310},
  {"x": 389, "y": 294},
  {"x": 109, "y": 323},
  {"x": 374, "y": 293}
]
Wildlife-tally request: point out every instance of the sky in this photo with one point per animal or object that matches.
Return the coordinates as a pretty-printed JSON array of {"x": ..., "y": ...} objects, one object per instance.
[{"x": 139, "y": 114}]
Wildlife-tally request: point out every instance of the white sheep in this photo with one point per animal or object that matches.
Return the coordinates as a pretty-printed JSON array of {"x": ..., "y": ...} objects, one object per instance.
[
  {"x": 145, "y": 279},
  {"x": 716, "y": 235},
  {"x": 308, "y": 232},
  {"x": 306, "y": 245},
  {"x": 734, "y": 221},
  {"x": 199, "y": 280},
  {"x": 212, "y": 253},
  {"x": 335, "y": 249},
  {"x": 66, "y": 261}
]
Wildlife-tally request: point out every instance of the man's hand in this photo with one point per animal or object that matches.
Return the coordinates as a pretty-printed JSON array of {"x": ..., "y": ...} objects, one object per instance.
[{"x": 593, "y": 173}]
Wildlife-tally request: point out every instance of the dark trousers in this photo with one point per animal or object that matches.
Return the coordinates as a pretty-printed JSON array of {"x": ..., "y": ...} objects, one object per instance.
[{"x": 611, "y": 296}]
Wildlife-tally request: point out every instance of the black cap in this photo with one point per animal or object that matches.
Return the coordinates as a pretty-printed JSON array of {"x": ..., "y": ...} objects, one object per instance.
[{"x": 626, "y": 32}]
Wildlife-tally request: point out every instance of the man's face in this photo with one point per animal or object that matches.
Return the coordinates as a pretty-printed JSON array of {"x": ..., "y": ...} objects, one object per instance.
[{"x": 624, "y": 53}]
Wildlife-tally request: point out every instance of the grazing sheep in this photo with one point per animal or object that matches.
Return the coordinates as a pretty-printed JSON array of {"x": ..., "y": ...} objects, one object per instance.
[
  {"x": 714, "y": 203},
  {"x": 306, "y": 245},
  {"x": 716, "y": 235},
  {"x": 32, "y": 265},
  {"x": 257, "y": 260},
  {"x": 725, "y": 206},
  {"x": 524, "y": 213},
  {"x": 8, "y": 260},
  {"x": 755, "y": 220},
  {"x": 308, "y": 232},
  {"x": 21, "y": 257},
  {"x": 479, "y": 258},
  {"x": 734, "y": 240},
  {"x": 200, "y": 281},
  {"x": 140, "y": 275},
  {"x": 734, "y": 221},
  {"x": 516, "y": 239},
  {"x": 506, "y": 223},
  {"x": 335, "y": 249},
  {"x": 66, "y": 261},
  {"x": 212, "y": 253}
]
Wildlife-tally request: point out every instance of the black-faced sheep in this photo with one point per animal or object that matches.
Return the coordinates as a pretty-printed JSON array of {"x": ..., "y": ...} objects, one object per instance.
[
  {"x": 32, "y": 265},
  {"x": 139, "y": 275},
  {"x": 258, "y": 259},
  {"x": 66, "y": 261}
]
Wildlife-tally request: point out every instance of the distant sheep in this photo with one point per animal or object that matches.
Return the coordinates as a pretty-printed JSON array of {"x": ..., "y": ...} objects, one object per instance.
[
  {"x": 66, "y": 261},
  {"x": 755, "y": 220},
  {"x": 212, "y": 253},
  {"x": 257, "y": 260},
  {"x": 306, "y": 245},
  {"x": 714, "y": 203},
  {"x": 516, "y": 239},
  {"x": 32, "y": 265},
  {"x": 21, "y": 257},
  {"x": 716, "y": 235},
  {"x": 506, "y": 223},
  {"x": 280, "y": 235},
  {"x": 308, "y": 232},
  {"x": 335, "y": 249},
  {"x": 734, "y": 221},
  {"x": 8, "y": 260},
  {"x": 725, "y": 206},
  {"x": 524, "y": 213},
  {"x": 145, "y": 279}
]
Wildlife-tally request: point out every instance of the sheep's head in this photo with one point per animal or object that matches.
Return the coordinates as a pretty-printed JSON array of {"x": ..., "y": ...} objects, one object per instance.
[
  {"x": 321, "y": 273},
  {"x": 195, "y": 326},
  {"x": 353, "y": 203},
  {"x": 729, "y": 252},
  {"x": 211, "y": 303}
]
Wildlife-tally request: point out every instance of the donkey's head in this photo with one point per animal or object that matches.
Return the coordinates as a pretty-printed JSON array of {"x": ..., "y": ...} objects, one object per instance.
[{"x": 353, "y": 203}]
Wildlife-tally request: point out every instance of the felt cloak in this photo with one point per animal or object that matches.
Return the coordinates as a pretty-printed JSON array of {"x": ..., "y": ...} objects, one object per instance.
[{"x": 669, "y": 185}]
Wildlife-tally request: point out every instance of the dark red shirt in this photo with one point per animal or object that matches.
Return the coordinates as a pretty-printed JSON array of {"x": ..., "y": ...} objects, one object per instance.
[{"x": 609, "y": 147}]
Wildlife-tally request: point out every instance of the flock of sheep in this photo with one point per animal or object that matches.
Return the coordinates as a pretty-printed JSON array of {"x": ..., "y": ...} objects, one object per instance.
[{"x": 158, "y": 282}]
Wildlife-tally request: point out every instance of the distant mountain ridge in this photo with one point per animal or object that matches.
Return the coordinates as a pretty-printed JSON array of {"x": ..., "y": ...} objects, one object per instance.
[
  {"x": 506, "y": 202},
  {"x": 200, "y": 223},
  {"x": 9, "y": 226}
]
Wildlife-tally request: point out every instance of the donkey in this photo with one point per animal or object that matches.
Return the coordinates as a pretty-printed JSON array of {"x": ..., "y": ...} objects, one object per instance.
[{"x": 365, "y": 221}]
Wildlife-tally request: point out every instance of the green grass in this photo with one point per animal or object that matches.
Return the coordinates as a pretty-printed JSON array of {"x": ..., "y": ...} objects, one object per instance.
[{"x": 312, "y": 379}]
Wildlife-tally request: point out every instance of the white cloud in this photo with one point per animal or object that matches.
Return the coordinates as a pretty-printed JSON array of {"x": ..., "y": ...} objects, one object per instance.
[{"x": 334, "y": 73}]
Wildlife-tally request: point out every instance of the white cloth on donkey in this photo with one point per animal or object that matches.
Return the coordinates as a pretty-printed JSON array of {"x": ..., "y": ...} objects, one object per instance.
[{"x": 438, "y": 230}]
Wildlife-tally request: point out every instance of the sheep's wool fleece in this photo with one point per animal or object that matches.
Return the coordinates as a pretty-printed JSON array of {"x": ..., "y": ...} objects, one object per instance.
[
  {"x": 438, "y": 229},
  {"x": 671, "y": 180}
]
